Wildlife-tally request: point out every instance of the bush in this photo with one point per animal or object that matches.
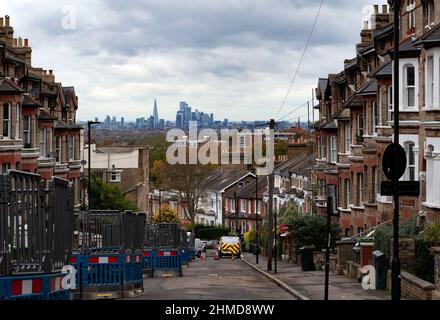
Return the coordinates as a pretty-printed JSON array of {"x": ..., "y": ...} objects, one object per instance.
[
  {"x": 311, "y": 231},
  {"x": 246, "y": 242},
  {"x": 166, "y": 215},
  {"x": 424, "y": 265},
  {"x": 384, "y": 234}
]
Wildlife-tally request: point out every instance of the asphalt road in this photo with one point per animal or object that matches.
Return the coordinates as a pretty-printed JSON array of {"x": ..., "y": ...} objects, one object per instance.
[{"x": 224, "y": 279}]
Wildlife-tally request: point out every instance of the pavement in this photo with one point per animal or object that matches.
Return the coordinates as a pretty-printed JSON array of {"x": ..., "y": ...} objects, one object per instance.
[
  {"x": 210, "y": 279},
  {"x": 311, "y": 283}
]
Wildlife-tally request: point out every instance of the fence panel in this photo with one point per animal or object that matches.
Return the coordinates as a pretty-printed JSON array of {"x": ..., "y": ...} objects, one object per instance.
[
  {"x": 168, "y": 235},
  {"x": 61, "y": 222}
]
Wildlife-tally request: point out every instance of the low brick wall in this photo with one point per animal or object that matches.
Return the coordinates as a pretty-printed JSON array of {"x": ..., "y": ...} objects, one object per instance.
[{"x": 416, "y": 288}]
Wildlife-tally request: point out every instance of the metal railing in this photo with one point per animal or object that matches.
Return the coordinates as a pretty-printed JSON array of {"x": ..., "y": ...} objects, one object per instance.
[{"x": 35, "y": 224}]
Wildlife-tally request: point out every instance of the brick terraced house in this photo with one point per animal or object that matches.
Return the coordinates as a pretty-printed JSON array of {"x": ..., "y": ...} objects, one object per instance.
[
  {"x": 38, "y": 129},
  {"x": 355, "y": 124}
]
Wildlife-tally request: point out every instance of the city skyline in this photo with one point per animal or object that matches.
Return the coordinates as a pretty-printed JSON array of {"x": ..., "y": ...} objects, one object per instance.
[{"x": 239, "y": 72}]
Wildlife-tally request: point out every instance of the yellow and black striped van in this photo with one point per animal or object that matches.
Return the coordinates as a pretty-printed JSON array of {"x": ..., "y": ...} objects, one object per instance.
[{"x": 229, "y": 246}]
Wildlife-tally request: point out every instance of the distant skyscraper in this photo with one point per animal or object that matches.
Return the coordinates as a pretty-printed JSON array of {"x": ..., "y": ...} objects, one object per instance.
[
  {"x": 155, "y": 115},
  {"x": 179, "y": 119}
]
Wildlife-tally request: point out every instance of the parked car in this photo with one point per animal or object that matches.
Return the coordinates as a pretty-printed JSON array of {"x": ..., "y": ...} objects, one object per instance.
[
  {"x": 212, "y": 244},
  {"x": 198, "y": 247}
]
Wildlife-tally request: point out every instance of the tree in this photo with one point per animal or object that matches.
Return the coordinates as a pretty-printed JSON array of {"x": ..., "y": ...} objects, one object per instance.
[
  {"x": 166, "y": 215},
  {"x": 106, "y": 196},
  {"x": 187, "y": 180},
  {"x": 281, "y": 148}
]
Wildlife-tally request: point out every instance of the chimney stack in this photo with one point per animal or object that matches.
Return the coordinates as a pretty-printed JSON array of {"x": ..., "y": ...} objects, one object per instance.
[
  {"x": 376, "y": 9},
  {"x": 7, "y": 21}
]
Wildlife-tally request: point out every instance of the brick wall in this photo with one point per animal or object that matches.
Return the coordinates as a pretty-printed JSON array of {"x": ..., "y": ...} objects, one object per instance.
[
  {"x": 407, "y": 249},
  {"x": 416, "y": 288}
]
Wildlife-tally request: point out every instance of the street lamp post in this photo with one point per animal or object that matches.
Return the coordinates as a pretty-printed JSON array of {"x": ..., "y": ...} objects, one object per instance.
[
  {"x": 395, "y": 262},
  {"x": 89, "y": 127}
]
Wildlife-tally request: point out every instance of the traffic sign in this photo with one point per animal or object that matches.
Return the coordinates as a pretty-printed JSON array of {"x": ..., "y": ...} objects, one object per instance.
[
  {"x": 394, "y": 161},
  {"x": 405, "y": 188}
]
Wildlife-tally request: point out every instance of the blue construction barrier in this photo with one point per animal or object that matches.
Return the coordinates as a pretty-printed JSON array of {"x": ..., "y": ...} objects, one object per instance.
[
  {"x": 184, "y": 256},
  {"x": 34, "y": 287},
  {"x": 191, "y": 254},
  {"x": 110, "y": 272},
  {"x": 148, "y": 260},
  {"x": 168, "y": 260}
]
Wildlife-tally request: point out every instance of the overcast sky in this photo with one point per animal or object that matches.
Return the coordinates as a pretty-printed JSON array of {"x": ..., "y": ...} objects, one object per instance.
[{"x": 233, "y": 58}]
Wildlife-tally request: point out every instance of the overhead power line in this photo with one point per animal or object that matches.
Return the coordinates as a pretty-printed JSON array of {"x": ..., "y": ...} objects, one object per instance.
[{"x": 301, "y": 60}]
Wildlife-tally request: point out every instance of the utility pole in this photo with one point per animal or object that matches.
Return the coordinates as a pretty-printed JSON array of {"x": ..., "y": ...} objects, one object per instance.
[
  {"x": 236, "y": 213},
  {"x": 395, "y": 262},
  {"x": 308, "y": 116},
  {"x": 313, "y": 107},
  {"x": 270, "y": 207},
  {"x": 257, "y": 250},
  {"x": 276, "y": 237}
]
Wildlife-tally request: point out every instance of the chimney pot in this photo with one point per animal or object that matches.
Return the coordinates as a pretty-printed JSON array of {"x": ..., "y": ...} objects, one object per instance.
[
  {"x": 15, "y": 42},
  {"x": 20, "y": 42},
  {"x": 385, "y": 9},
  {"x": 376, "y": 9},
  {"x": 26, "y": 42},
  {"x": 1, "y": 22},
  {"x": 365, "y": 25},
  {"x": 7, "y": 21},
  {"x": 50, "y": 72}
]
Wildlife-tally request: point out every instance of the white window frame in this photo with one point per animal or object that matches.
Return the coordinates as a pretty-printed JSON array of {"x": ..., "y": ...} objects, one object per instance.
[
  {"x": 404, "y": 96},
  {"x": 410, "y": 174},
  {"x": 430, "y": 11},
  {"x": 71, "y": 148},
  {"x": 42, "y": 143},
  {"x": 430, "y": 85},
  {"x": 7, "y": 121},
  {"x": 115, "y": 175},
  {"x": 390, "y": 98},
  {"x": 27, "y": 133},
  {"x": 411, "y": 9},
  {"x": 347, "y": 138},
  {"x": 347, "y": 192},
  {"x": 409, "y": 87},
  {"x": 17, "y": 121},
  {"x": 333, "y": 149},
  {"x": 58, "y": 148},
  {"x": 242, "y": 205},
  {"x": 376, "y": 116}
]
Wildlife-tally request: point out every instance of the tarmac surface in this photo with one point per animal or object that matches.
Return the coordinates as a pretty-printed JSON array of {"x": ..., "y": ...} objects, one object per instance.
[{"x": 224, "y": 279}]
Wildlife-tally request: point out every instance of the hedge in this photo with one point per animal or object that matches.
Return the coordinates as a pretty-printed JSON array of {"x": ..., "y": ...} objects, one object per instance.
[{"x": 212, "y": 233}]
